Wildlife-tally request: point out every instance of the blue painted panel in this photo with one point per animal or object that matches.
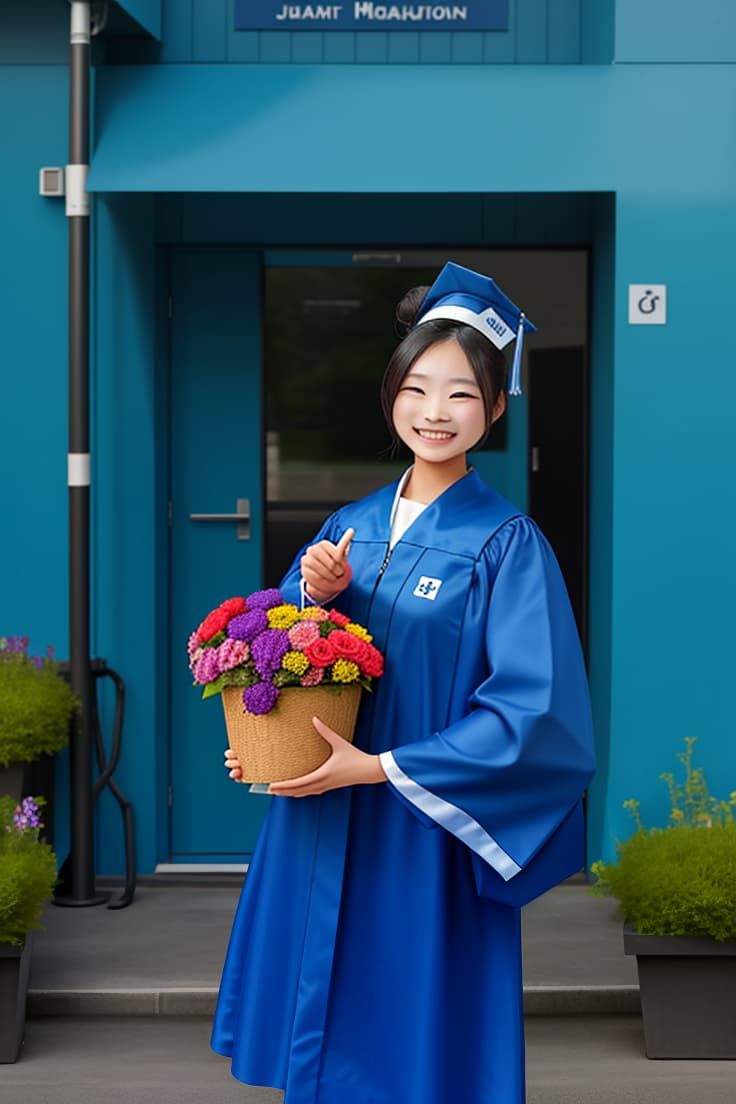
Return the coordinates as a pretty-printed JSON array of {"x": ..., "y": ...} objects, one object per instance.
[
  {"x": 177, "y": 20},
  {"x": 209, "y": 22},
  {"x": 597, "y": 31},
  {"x": 675, "y": 31},
  {"x": 673, "y": 599},
  {"x": 221, "y": 128},
  {"x": 435, "y": 48},
  {"x": 563, "y": 34},
  {"x": 404, "y": 48},
  {"x": 147, "y": 13},
  {"x": 371, "y": 49},
  {"x": 531, "y": 32},
  {"x": 243, "y": 47},
  {"x": 307, "y": 47},
  {"x": 33, "y": 419},
  {"x": 275, "y": 47},
  {"x": 340, "y": 48},
  {"x": 500, "y": 48},
  {"x": 467, "y": 49},
  {"x": 215, "y": 397},
  {"x": 129, "y": 522}
]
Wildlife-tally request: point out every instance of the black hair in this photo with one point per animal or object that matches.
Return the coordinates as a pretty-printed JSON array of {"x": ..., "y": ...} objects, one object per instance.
[{"x": 487, "y": 362}]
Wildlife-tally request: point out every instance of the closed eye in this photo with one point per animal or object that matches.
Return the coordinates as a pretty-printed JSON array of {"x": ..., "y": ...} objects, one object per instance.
[
  {"x": 463, "y": 395},
  {"x": 409, "y": 387}
]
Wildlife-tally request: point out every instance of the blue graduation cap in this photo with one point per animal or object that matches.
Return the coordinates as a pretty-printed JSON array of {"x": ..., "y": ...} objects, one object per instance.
[{"x": 465, "y": 296}]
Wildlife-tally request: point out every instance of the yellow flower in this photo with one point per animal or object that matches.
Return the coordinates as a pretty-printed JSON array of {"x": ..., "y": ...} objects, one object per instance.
[
  {"x": 282, "y": 617},
  {"x": 313, "y": 613},
  {"x": 677, "y": 814},
  {"x": 358, "y": 630},
  {"x": 295, "y": 662},
  {"x": 344, "y": 670}
]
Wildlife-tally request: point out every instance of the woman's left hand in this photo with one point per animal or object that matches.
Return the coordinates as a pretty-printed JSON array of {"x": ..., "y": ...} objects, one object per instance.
[{"x": 347, "y": 766}]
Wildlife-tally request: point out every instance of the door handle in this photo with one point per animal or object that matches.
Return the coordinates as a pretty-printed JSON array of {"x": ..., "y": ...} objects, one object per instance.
[{"x": 242, "y": 517}]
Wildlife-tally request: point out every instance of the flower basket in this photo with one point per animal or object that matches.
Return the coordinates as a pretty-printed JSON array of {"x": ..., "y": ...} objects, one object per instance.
[
  {"x": 276, "y": 667},
  {"x": 284, "y": 743}
]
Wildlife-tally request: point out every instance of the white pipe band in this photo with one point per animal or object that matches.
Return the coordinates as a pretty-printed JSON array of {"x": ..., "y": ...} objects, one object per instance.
[
  {"x": 77, "y": 196},
  {"x": 80, "y": 23},
  {"x": 78, "y": 469}
]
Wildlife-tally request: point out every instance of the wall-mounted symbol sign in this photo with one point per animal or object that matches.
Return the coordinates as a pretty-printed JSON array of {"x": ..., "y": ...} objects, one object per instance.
[{"x": 647, "y": 304}]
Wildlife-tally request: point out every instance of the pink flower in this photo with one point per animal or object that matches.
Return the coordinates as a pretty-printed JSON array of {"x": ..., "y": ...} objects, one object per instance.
[
  {"x": 195, "y": 658},
  {"x": 192, "y": 644},
  {"x": 313, "y": 676},
  {"x": 303, "y": 633},
  {"x": 231, "y": 653},
  {"x": 208, "y": 668}
]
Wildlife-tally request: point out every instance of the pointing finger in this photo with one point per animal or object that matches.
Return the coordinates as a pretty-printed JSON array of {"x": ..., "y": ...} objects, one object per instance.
[{"x": 343, "y": 545}]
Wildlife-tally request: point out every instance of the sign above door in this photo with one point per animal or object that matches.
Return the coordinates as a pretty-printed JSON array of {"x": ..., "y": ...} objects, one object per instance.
[{"x": 365, "y": 15}]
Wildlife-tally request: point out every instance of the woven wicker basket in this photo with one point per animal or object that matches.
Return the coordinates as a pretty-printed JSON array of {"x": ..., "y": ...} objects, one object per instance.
[{"x": 284, "y": 743}]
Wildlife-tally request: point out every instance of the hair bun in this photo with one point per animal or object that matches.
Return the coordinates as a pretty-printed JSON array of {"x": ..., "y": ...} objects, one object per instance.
[{"x": 408, "y": 309}]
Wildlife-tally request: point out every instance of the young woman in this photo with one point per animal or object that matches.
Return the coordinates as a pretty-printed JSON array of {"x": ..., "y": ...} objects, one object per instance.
[{"x": 375, "y": 956}]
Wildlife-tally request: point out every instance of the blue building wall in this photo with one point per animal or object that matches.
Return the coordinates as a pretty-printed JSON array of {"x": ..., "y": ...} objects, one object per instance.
[{"x": 663, "y": 599}]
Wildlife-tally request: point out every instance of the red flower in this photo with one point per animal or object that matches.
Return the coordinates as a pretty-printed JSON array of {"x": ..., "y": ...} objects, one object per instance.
[
  {"x": 339, "y": 618},
  {"x": 320, "y": 652},
  {"x": 346, "y": 644},
  {"x": 371, "y": 661},
  {"x": 214, "y": 623},
  {"x": 232, "y": 606}
]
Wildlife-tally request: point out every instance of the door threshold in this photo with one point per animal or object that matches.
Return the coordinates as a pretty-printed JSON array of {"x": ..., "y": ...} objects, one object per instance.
[{"x": 201, "y": 868}]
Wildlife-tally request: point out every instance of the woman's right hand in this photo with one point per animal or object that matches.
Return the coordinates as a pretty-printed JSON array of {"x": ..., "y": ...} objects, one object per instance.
[
  {"x": 325, "y": 568},
  {"x": 232, "y": 765}
]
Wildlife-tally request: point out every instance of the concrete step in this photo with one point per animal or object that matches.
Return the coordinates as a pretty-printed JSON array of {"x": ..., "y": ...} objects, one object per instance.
[
  {"x": 163, "y": 955},
  {"x": 136, "y": 1060},
  {"x": 183, "y": 1000}
]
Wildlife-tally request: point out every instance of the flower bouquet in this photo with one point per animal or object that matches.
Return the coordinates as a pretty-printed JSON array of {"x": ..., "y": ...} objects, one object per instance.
[{"x": 261, "y": 653}]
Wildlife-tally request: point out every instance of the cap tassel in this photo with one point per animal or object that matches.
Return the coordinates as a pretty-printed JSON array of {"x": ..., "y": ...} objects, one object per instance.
[{"x": 515, "y": 382}]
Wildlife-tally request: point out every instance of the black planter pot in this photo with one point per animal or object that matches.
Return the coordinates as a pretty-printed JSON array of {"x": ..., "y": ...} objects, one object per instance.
[
  {"x": 32, "y": 780},
  {"x": 688, "y": 994},
  {"x": 15, "y": 963}
]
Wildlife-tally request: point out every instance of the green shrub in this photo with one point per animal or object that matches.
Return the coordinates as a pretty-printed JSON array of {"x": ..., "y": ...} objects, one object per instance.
[
  {"x": 679, "y": 880},
  {"x": 27, "y": 871},
  {"x": 36, "y": 705}
]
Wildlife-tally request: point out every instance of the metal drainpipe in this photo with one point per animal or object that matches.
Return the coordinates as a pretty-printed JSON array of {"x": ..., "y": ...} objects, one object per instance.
[{"x": 81, "y": 890}]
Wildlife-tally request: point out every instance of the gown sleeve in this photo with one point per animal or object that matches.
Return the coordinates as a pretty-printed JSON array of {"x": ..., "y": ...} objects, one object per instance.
[{"x": 507, "y": 778}]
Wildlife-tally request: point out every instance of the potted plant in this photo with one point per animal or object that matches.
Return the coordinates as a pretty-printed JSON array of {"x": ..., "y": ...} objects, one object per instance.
[
  {"x": 676, "y": 888},
  {"x": 36, "y": 707},
  {"x": 262, "y": 654},
  {"x": 27, "y": 877}
]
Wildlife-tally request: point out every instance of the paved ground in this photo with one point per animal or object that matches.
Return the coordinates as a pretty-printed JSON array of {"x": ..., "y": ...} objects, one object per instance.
[
  {"x": 160, "y": 1060},
  {"x": 120, "y": 1007}
]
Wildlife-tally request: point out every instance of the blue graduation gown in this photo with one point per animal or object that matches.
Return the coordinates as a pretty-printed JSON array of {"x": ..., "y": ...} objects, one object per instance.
[{"x": 375, "y": 954}]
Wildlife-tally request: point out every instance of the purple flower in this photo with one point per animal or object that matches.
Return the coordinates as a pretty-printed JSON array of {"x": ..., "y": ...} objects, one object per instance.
[
  {"x": 268, "y": 649},
  {"x": 247, "y": 625},
  {"x": 260, "y": 698},
  {"x": 208, "y": 667},
  {"x": 26, "y": 815},
  {"x": 193, "y": 644},
  {"x": 264, "y": 599}
]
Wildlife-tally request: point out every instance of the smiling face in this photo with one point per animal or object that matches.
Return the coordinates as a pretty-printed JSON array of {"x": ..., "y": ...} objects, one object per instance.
[{"x": 439, "y": 410}]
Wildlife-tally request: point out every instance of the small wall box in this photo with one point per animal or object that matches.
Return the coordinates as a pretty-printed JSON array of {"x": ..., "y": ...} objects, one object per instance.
[{"x": 51, "y": 182}]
